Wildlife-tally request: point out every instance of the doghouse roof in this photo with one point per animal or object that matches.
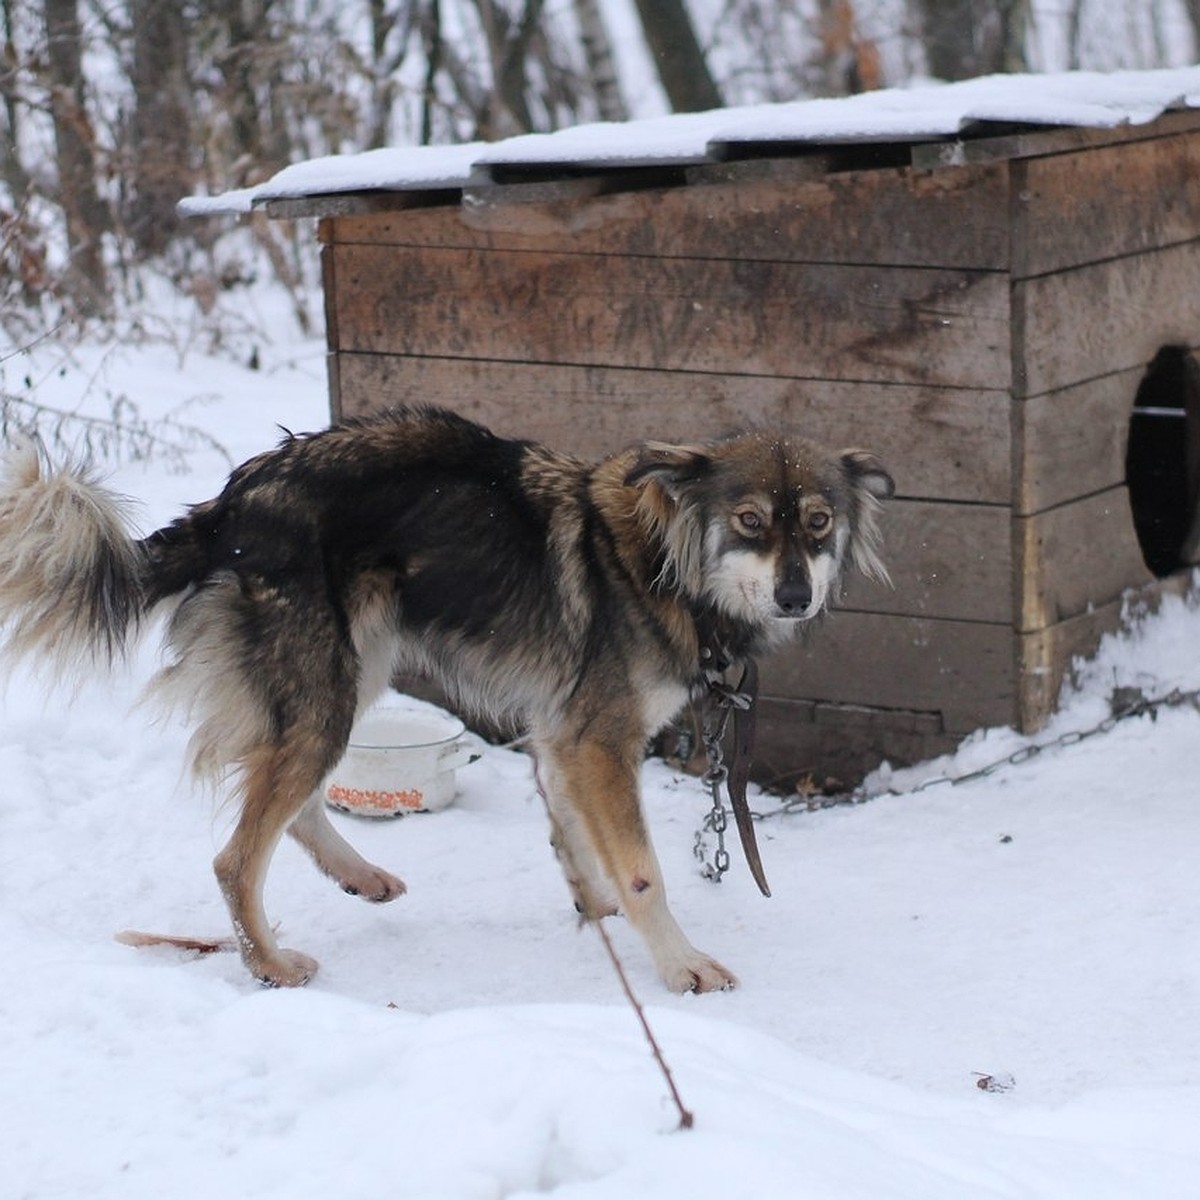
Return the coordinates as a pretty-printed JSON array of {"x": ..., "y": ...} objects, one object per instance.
[{"x": 941, "y": 119}]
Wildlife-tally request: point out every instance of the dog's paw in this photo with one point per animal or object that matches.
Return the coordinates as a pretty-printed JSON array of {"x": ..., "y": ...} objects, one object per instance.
[
  {"x": 373, "y": 883},
  {"x": 285, "y": 968},
  {"x": 699, "y": 973}
]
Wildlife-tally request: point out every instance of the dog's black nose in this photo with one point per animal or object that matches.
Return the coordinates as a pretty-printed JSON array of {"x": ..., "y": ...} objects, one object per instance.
[{"x": 793, "y": 596}]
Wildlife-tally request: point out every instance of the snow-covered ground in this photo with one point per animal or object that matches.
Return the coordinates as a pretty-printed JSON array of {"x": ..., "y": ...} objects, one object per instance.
[{"x": 1040, "y": 926}]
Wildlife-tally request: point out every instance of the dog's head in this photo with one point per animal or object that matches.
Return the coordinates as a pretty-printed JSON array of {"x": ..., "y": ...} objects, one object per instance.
[{"x": 761, "y": 526}]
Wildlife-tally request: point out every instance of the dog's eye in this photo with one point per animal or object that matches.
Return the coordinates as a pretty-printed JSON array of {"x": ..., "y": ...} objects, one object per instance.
[
  {"x": 750, "y": 520},
  {"x": 818, "y": 522}
]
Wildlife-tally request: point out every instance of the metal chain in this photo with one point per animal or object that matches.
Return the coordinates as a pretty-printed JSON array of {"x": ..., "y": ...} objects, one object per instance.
[
  {"x": 1124, "y": 704},
  {"x": 714, "y": 822},
  {"x": 723, "y": 700}
]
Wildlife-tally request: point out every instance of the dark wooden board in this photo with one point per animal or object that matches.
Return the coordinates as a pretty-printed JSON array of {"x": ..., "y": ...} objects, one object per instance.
[
  {"x": 950, "y": 561},
  {"x": 1076, "y": 556},
  {"x": 1107, "y": 317},
  {"x": 1036, "y": 143},
  {"x": 949, "y": 218},
  {"x": 835, "y": 745},
  {"x": 960, "y": 669},
  {"x": 932, "y": 327},
  {"x": 1071, "y": 209},
  {"x": 329, "y": 205},
  {"x": 941, "y": 443},
  {"x": 1072, "y": 442}
]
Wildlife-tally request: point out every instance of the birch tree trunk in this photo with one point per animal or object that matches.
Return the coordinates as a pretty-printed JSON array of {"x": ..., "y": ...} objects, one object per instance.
[{"x": 602, "y": 69}]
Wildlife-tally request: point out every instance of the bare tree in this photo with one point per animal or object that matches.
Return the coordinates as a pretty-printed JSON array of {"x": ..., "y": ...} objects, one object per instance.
[
  {"x": 12, "y": 170},
  {"x": 431, "y": 35},
  {"x": 966, "y": 38},
  {"x": 601, "y": 67},
  {"x": 850, "y": 62},
  {"x": 509, "y": 37},
  {"x": 241, "y": 34},
  {"x": 1193, "y": 12},
  {"x": 1074, "y": 33},
  {"x": 75, "y": 142},
  {"x": 157, "y": 162},
  {"x": 677, "y": 55},
  {"x": 392, "y": 25}
]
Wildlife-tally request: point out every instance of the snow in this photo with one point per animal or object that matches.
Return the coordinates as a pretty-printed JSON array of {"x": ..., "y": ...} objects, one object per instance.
[
  {"x": 924, "y": 112},
  {"x": 1039, "y": 926}
]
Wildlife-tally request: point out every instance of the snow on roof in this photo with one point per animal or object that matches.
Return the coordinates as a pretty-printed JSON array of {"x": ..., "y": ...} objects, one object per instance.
[{"x": 928, "y": 112}]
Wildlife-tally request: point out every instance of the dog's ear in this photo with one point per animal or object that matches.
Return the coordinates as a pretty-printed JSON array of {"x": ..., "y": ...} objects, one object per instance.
[
  {"x": 669, "y": 516},
  {"x": 865, "y": 470},
  {"x": 667, "y": 464},
  {"x": 871, "y": 484}
]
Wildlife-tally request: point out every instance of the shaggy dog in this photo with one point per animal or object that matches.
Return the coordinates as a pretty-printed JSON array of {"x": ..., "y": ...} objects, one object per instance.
[{"x": 585, "y": 601}]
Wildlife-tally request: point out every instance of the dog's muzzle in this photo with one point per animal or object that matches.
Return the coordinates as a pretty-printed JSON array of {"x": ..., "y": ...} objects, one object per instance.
[{"x": 793, "y": 598}]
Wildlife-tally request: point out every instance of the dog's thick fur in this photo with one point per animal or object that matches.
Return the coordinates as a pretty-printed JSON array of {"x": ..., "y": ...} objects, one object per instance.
[{"x": 575, "y": 598}]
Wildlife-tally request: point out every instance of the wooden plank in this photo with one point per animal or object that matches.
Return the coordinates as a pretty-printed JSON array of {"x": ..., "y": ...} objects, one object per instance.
[
  {"x": 800, "y": 167},
  {"x": 334, "y": 382},
  {"x": 933, "y": 327},
  {"x": 948, "y": 218},
  {"x": 1072, "y": 442},
  {"x": 1075, "y": 557},
  {"x": 345, "y": 204},
  {"x": 1031, "y": 143},
  {"x": 940, "y": 443},
  {"x": 1047, "y": 657},
  {"x": 960, "y": 669},
  {"x": 1106, "y": 317},
  {"x": 1072, "y": 209},
  {"x": 328, "y": 292},
  {"x": 950, "y": 561},
  {"x": 836, "y": 745},
  {"x": 514, "y": 185}
]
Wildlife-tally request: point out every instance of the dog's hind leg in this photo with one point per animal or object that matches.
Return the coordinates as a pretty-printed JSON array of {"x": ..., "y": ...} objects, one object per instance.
[
  {"x": 277, "y": 780},
  {"x": 337, "y": 858},
  {"x": 591, "y": 789},
  {"x": 278, "y": 680},
  {"x": 373, "y": 633}
]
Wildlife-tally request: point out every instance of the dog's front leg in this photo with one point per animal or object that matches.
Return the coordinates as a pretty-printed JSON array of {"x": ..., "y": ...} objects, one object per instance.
[{"x": 591, "y": 789}]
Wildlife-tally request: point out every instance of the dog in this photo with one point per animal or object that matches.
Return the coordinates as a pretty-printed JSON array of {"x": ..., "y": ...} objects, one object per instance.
[{"x": 580, "y": 600}]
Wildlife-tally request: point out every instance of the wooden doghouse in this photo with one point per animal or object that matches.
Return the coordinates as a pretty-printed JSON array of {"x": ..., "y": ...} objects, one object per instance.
[{"x": 993, "y": 313}]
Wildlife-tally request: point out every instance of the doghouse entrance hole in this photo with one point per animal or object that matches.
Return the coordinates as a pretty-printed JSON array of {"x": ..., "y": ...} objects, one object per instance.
[{"x": 1162, "y": 461}]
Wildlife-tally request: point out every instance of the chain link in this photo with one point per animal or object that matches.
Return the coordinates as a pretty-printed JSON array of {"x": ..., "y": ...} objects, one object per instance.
[
  {"x": 722, "y": 700},
  {"x": 1124, "y": 704},
  {"x": 714, "y": 779}
]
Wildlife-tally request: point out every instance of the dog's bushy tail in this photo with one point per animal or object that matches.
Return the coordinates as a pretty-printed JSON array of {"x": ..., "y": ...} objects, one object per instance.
[{"x": 72, "y": 579}]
